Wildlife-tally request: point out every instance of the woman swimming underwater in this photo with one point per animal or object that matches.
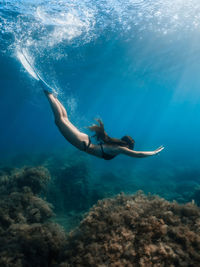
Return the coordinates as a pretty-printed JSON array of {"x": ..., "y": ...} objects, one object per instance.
[{"x": 108, "y": 147}]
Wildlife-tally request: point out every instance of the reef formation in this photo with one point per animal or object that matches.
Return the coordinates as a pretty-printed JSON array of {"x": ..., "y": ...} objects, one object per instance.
[
  {"x": 27, "y": 238},
  {"x": 136, "y": 230},
  {"x": 125, "y": 230}
]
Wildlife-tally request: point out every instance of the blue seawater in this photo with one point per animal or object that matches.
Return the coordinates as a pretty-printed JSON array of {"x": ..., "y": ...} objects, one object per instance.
[{"x": 132, "y": 63}]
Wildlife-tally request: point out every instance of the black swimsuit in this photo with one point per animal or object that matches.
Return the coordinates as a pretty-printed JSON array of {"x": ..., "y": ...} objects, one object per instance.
[
  {"x": 87, "y": 146},
  {"x": 104, "y": 155}
]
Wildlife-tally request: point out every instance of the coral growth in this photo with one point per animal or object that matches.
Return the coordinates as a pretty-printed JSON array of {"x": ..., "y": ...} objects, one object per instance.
[
  {"x": 136, "y": 230},
  {"x": 27, "y": 238}
]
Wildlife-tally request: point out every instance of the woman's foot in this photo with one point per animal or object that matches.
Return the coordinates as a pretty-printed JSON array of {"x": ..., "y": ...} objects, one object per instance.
[
  {"x": 50, "y": 94},
  {"x": 47, "y": 93}
]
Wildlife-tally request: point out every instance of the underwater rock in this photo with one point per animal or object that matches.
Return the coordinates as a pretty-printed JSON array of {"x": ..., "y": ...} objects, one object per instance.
[
  {"x": 31, "y": 245},
  {"x": 136, "y": 230},
  {"x": 14, "y": 180},
  {"x": 35, "y": 178},
  {"x": 27, "y": 238}
]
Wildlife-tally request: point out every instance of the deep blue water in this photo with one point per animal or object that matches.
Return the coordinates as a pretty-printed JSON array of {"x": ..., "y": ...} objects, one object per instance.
[{"x": 134, "y": 63}]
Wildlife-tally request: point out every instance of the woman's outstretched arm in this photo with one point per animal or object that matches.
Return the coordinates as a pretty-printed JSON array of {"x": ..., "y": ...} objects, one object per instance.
[{"x": 139, "y": 154}]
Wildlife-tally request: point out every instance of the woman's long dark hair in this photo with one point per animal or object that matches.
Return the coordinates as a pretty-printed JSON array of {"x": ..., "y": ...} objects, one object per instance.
[{"x": 102, "y": 136}]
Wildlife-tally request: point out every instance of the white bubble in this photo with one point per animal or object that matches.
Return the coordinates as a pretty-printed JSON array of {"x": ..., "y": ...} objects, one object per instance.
[
  {"x": 40, "y": 26},
  {"x": 72, "y": 105}
]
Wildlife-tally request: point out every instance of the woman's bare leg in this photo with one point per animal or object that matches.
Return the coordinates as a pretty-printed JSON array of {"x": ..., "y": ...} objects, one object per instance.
[
  {"x": 62, "y": 120},
  {"x": 57, "y": 111},
  {"x": 52, "y": 99},
  {"x": 64, "y": 112}
]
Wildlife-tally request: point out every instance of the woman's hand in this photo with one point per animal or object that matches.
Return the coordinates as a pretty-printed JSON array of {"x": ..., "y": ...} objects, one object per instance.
[{"x": 158, "y": 150}]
